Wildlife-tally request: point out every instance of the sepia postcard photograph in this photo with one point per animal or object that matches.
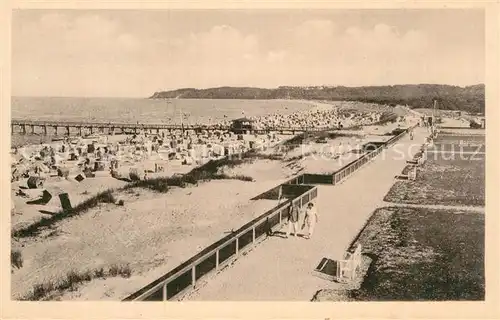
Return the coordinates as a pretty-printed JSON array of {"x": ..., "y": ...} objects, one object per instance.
[{"x": 313, "y": 155}]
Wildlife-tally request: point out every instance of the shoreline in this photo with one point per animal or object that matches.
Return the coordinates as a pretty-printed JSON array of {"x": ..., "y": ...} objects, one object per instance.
[{"x": 23, "y": 140}]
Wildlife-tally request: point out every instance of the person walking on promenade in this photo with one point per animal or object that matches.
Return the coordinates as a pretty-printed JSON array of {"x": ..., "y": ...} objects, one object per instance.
[
  {"x": 310, "y": 219},
  {"x": 411, "y": 134},
  {"x": 293, "y": 220}
]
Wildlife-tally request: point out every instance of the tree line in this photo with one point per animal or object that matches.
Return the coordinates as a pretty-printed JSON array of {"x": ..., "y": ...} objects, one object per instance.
[{"x": 470, "y": 98}]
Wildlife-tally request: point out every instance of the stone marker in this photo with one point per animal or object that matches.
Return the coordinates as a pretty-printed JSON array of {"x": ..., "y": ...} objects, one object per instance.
[{"x": 65, "y": 202}]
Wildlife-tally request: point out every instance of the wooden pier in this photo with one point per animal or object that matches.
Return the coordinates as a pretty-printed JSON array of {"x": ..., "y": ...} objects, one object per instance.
[{"x": 80, "y": 128}]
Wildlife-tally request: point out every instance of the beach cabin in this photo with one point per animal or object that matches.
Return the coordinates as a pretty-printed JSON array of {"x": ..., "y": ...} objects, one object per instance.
[{"x": 242, "y": 126}]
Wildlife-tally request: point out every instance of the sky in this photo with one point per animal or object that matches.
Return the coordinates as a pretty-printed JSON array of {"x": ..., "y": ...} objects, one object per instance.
[{"x": 132, "y": 53}]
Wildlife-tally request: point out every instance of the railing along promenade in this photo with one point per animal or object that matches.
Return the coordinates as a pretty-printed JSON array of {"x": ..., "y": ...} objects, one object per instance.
[
  {"x": 221, "y": 253},
  {"x": 298, "y": 190}
]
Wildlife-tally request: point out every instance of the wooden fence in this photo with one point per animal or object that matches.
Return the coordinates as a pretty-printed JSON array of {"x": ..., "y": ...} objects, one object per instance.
[{"x": 213, "y": 258}]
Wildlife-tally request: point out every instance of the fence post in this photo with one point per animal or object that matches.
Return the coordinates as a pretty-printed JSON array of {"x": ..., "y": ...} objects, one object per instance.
[
  {"x": 193, "y": 276},
  {"x": 165, "y": 298},
  {"x": 281, "y": 210},
  {"x": 217, "y": 259},
  {"x": 253, "y": 234},
  {"x": 339, "y": 273},
  {"x": 237, "y": 245}
]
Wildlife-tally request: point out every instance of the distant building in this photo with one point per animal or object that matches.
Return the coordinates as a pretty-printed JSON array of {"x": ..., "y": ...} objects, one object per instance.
[{"x": 242, "y": 125}]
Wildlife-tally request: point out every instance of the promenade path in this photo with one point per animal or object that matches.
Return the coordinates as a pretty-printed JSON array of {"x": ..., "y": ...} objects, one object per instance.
[{"x": 281, "y": 269}]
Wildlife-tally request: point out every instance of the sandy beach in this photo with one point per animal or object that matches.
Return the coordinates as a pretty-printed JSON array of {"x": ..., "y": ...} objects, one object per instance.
[{"x": 153, "y": 232}]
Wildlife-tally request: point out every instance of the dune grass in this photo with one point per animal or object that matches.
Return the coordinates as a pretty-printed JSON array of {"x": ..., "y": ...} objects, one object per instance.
[{"x": 73, "y": 279}]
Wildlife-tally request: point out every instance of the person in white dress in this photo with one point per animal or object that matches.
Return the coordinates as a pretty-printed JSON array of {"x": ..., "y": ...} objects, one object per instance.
[{"x": 310, "y": 219}]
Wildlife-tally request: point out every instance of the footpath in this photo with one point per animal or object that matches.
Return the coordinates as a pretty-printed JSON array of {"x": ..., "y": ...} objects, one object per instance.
[{"x": 281, "y": 269}]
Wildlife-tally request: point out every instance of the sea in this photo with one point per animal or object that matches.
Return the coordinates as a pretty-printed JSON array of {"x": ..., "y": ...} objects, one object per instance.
[{"x": 143, "y": 110}]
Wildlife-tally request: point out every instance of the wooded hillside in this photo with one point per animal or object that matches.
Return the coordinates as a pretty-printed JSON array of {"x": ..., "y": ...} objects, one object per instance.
[{"x": 470, "y": 98}]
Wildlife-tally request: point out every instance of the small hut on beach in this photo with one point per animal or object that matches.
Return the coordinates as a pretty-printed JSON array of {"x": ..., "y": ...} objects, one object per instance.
[{"x": 242, "y": 125}]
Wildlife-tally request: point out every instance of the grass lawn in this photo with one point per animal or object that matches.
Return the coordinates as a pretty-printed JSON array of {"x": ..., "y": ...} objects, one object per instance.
[
  {"x": 459, "y": 150},
  {"x": 460, "y": 143},
  {"x": 422, "y": 254},
  {"x": 444, "y": 182},
  {"x": 450, "y": 138}
]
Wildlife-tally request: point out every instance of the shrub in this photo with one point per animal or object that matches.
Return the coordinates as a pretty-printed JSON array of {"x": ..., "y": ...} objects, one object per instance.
[
  {"x": 122, "y": 270},
  {"x": 16, "y": 259},
  {"x": 113, "y": 270},
  {"x": 40, "y": 291},
  {"x": 99, "y": 273},
  {"x": 73, "y": 279},
  {"x": 240, "y": 177}
]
